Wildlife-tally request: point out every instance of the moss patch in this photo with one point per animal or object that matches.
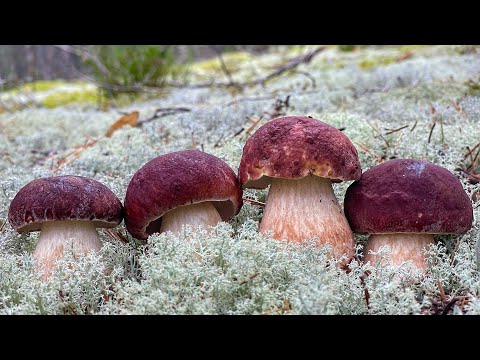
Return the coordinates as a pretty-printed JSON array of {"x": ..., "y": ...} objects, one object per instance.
[
  {"x": 233, "y": 60},
  {"x": 68, "y": 97}
]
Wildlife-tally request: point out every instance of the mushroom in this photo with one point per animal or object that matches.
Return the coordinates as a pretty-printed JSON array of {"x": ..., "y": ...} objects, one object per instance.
[
  {"x": 64, "y": 208},
  {"x": 402, "y": 203},
  {"x": 179, "y": 188},
  {"x": 300, "y": 157}
]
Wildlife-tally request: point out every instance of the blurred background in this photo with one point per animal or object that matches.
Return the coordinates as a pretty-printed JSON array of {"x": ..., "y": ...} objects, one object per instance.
[{"x": 28, "y": 63}]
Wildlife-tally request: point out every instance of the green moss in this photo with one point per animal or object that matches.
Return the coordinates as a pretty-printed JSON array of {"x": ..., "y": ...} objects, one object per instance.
[
  {"x": 473, "y": 87},
  {"x": 347, "y": 48},
  {"x": 380, "y": 61},
  {"x": 233, "y": 60},
  {"x": 63, "y": 98},
  {"x": 42, "y": 85},
  {"x": 405, "y": 48}
]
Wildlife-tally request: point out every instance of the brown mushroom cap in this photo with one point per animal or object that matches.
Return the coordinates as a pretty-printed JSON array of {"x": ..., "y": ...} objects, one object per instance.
[
  {"x": 405, "y": 195},
  {"x": 176, "y": 179},
  {"x": 64, "y": 198},
  {"x": 293, "y": 147}
]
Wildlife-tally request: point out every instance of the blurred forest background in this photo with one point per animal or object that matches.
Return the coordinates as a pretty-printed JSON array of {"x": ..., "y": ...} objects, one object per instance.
[{"x": 122, "y": 65}]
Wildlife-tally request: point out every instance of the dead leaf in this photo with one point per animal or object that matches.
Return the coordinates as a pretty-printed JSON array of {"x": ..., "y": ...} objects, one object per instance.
[
  {"x": 406, "y": 55},
  {"x": 129, "y": 119}
]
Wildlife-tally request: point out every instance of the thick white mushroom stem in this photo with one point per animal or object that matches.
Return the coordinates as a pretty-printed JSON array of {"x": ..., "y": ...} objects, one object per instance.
[
  {"x": 199, "y": 214},
  {"x": 403, "y": 247},
  {"x": 57, "y": 236},
  {"x": 297, "y": 210}
]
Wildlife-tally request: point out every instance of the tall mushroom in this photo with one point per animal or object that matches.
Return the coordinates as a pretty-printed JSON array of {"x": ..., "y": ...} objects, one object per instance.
[
  {"x": 402, "y": 203},
  {"x": 64, "y": 208},
  {"x": 300, "y": 157},
  {"x": 183, "y": 187}
]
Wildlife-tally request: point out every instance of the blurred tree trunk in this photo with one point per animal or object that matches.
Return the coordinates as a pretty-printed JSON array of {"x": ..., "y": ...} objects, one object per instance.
[{"x": 20, "y": 63}]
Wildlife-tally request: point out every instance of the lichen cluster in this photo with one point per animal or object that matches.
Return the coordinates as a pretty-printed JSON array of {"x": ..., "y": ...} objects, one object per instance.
[{"x": 234, "y": 270}]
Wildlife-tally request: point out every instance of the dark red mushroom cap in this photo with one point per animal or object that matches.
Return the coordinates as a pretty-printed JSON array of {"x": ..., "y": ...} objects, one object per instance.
[
  {"x": 176, "y": 179},
  {"x": 405, "y": 195},
  {"x": 64, "y": 198},
  {"x": 293, "y": 147}
]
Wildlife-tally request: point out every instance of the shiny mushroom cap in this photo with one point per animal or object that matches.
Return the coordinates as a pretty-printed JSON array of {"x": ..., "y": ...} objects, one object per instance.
[
  {"x": 293, "y": 147},
  {"x": 61, "y": 198},
  {"x": 405, "y": 195},
  {"x": 177, "y": 179}
]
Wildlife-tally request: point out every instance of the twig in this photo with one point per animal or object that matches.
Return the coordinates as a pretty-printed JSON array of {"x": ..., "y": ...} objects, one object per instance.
[
  {"x": 397, "y": 143},
  {"x": 452, "y": 302},
  {"x": 474, "y": 160},
  {"x": 194, "y": 143},
  {"x": 250, "y": 277},
  {"x": 365, "y": 290},
  {"x": 457, "y": 244},
  {"x": 290, "y": 65},
  {"x": 458, "y": 108},
  {"x": 245, "y": 99},
  {"x": 473, "y": 178},
  {"x": 161, "y": 112},
  {"x": 255, "y": 123},
  {"x": 441, "y": 130},
  {"x": 395, "y": 130},
  {"x": 414, "y": 126},
  {"x": 366, "y": 149},
  {"x": 442, "y": 292},
  {"x": 224, "y": 68},
  {"x": 379, "y": 134},
  {"x": 217, "y": 144},
  {"x": 470, "y": 151},
  {"x": 254, "y": 202},
  {"x": 75, "y": 153},
  {"x": 309, "y": 76},
  {"x": 431, "y": 131}
]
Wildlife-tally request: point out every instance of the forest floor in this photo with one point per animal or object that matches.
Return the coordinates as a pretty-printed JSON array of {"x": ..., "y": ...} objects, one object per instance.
[{"x": 420, "y": 102}]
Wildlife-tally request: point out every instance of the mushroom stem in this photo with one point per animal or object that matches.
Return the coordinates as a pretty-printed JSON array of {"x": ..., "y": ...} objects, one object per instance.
[
  {"x": 297, "y": 210},
  {"x": 403, "y": 247},
  {"x": 203, "y": 213},
  {"x": 52, "y": 241}
]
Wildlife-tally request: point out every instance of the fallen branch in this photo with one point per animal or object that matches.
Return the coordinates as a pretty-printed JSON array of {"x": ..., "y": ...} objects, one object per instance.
[{"x": 162, "y": 112}]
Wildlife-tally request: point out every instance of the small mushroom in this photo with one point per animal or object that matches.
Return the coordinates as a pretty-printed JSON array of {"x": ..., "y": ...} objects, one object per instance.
[
  {"x": 300, "y": 157},
  {"x": 179, "y": 188},
  {"x": 402, "y": 203},
  {"x": 64, "y": 208}
]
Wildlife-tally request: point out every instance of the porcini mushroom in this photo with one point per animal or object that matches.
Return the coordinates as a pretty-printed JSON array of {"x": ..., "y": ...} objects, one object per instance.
[
  {"x": 402, "y": 203},
  {"x": 64, "y": 208},
  {"x": 300, "y": 157},
  {"x": 184, "y": 187}
]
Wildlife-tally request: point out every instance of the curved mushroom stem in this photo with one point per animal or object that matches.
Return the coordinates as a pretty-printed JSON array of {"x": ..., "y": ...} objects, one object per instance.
[
  {"x": 54, "y": 236},
  {"x": 297, "y": 210},
  {"x": 203, "y": 213},
  {"x": 403, "y": 247}
]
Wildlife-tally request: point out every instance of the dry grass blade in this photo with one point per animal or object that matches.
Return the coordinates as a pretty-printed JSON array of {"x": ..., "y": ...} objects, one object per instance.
[
  {"x": 457, "y": 244},
  {"x": 254, "y": 202},
  {"x": 74, "y": 154},
  {"x": 442, "y": 292},
  {"x": 458, "y": 108}
]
